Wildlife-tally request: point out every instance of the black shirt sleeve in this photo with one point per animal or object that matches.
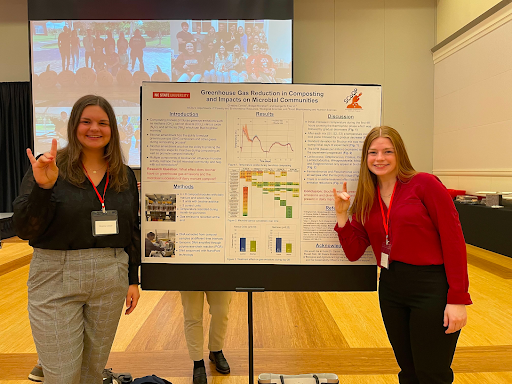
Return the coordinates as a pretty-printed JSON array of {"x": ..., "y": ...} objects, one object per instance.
[{"x": 34, "y": 208}]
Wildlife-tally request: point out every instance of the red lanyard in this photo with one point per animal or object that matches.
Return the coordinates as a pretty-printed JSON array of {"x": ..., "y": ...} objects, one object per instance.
[
  {"x": 102, "y": 199},
  {"x": 385, "y": 219}
]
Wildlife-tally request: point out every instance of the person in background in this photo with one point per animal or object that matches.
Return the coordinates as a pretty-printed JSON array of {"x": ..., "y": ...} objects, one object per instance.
[
  {"x": 242, "y": 39},
  {"x": 61, "y": 129},
  {"x": 248, "y": 32},
  {"x": 211, "y": 37},
  {"x": 222, "y": 35},
  {"x": 256, "y": 39},
  {"x": 89, "y": 48},
  {"x": 232, "y": 38},
  {"x": 150, "y": 246},
  {"x": 136, "y": 134},
  {"x": 208, "y": 63},
  {"x": 112, "y": 60},
  {"x": 126, "y": 134},
  {"x": 99, "y": 57},
  {"x": 75, "y": 49},
  {"x": 122, "y": 50},
  {"x": 109, "y": 42},
  {"x": 262, "y": 38},
  {"x": 222, "y": 65},
  {"x": 193, "y": 323},
  {"x": 252, "y": 63},
  {"x": 189, "y": 65},
  {"x": 410, "y": 221},
  {"x": 64, "y": 43},
  {"x": 86, "y": 248},
  {"x": 266, "y": 67},
  {"x": 184, "y": 37},
  {"x": 137, "y": 45},
  {"x": 238, "y": 74},
  {"x": 199, "y": 38}
]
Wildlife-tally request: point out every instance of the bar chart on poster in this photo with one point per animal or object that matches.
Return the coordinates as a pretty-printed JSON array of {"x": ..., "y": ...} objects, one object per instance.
[{"x": 243, "y": 173}]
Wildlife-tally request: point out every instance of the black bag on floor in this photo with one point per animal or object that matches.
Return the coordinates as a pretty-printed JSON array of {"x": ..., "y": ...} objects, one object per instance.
[{"x": 153, "y": 379}]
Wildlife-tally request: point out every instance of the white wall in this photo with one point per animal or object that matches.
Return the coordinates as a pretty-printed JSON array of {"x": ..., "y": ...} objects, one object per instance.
[
  {"x": 452, "y": 15},
  {"x": 383, "y": 42},
  {"x": 473, "y": 108}
]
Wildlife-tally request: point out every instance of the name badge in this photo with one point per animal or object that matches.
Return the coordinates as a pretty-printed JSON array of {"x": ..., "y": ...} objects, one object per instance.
[
  {"x": 104, "y": 223},
  {"x": 384, "y": 255}
]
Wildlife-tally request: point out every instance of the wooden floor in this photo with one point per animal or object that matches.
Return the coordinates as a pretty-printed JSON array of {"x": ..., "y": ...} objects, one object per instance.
[{"x": 339, "y": 333}]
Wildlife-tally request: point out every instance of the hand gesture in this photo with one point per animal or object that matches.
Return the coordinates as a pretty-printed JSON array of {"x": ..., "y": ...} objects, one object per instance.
[
  {"x": 455, "y": 317},
  {"x": 341, "y": 199},
  {"x": 45, "y": 167}
]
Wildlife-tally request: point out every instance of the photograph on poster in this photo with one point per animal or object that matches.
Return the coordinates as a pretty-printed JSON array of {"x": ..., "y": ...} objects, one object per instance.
[
  {"x": 160, "y": 207},
  {"x": 160, "y": 243}
]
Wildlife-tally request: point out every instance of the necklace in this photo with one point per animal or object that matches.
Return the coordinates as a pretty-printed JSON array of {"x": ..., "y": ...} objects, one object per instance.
[
  {"x": 386, "y": 195},
  {"x": 94, "y": 171}
]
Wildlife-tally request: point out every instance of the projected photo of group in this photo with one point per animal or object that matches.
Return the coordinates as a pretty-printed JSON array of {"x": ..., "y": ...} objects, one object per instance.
[{"x": 71, "y": 58}]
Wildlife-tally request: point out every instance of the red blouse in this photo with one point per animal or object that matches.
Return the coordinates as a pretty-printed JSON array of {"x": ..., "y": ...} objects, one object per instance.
[{"x": 424, "y": 229}]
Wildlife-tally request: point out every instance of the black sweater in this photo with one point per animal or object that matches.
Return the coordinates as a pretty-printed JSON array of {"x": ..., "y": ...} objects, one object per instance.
[{"x": 60, "y": 218}]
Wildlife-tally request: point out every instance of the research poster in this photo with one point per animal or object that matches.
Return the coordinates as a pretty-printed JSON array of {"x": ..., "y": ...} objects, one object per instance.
[{"x": 243, "y": 173}]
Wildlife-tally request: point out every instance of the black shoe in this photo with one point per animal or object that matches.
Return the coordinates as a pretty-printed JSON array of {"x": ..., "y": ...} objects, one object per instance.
[
  {"x": 221, "y": 364},
  {"x": 200, "y": 375}
]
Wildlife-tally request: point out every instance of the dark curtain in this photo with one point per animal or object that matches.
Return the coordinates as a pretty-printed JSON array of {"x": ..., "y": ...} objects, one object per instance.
[{"x": 16, "y": 135}]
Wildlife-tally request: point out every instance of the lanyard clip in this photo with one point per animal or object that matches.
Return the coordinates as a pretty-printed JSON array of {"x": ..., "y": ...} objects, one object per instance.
[
  {"x": 387, "y": 241},
  {"x": 103, "y": 207}
]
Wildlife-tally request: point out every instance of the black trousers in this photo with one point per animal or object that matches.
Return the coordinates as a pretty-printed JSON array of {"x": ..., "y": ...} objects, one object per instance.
[{"x": 412, "y": 301}]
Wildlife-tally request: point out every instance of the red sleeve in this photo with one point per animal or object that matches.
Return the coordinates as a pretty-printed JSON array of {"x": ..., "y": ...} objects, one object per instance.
[
  {"x": 251, "y": 64},
  {"x": 353, "y": 239},
  {"x": 445, "y": 218}
]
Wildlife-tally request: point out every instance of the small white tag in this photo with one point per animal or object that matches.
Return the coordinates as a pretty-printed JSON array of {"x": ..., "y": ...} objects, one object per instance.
[
  {"x": 106, "y": 227},
  {"x": 384, "y": 260}
]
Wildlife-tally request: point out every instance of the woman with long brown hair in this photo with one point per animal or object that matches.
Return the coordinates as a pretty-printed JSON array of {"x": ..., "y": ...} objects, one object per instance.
[
  {"x": 410, "y": 221},
  {"x": 78, "y": 207}
]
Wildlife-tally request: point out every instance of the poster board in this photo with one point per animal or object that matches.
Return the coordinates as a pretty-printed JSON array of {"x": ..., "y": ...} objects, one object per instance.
[{"x": 237, "y": 184}]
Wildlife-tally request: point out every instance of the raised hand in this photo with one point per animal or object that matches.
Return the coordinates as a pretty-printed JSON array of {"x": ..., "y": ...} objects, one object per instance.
[
  {"x": 341, "y": 200},
  {"x": 45, "y": 167}
]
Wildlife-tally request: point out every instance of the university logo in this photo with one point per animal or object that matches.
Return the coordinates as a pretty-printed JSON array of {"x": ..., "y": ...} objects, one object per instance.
[{"x": 353, "y": 99}]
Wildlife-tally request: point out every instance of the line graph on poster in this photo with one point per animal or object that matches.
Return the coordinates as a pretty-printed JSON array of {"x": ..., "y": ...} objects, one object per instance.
[{"x": 270, "y": 138}]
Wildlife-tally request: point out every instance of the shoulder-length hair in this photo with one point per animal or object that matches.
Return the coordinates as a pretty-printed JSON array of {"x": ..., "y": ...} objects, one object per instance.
[
  {"x": 219, "y": 54},
  {"x": 69, "y": 158},
  {"x": 367, "y": 183}
]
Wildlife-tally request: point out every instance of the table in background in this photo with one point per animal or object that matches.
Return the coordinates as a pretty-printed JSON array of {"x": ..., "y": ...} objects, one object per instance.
[{"x": 486, "y": 227}]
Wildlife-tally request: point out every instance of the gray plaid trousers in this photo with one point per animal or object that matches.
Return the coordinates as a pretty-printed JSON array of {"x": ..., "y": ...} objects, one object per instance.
[{"x": 75, "y": 300}]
